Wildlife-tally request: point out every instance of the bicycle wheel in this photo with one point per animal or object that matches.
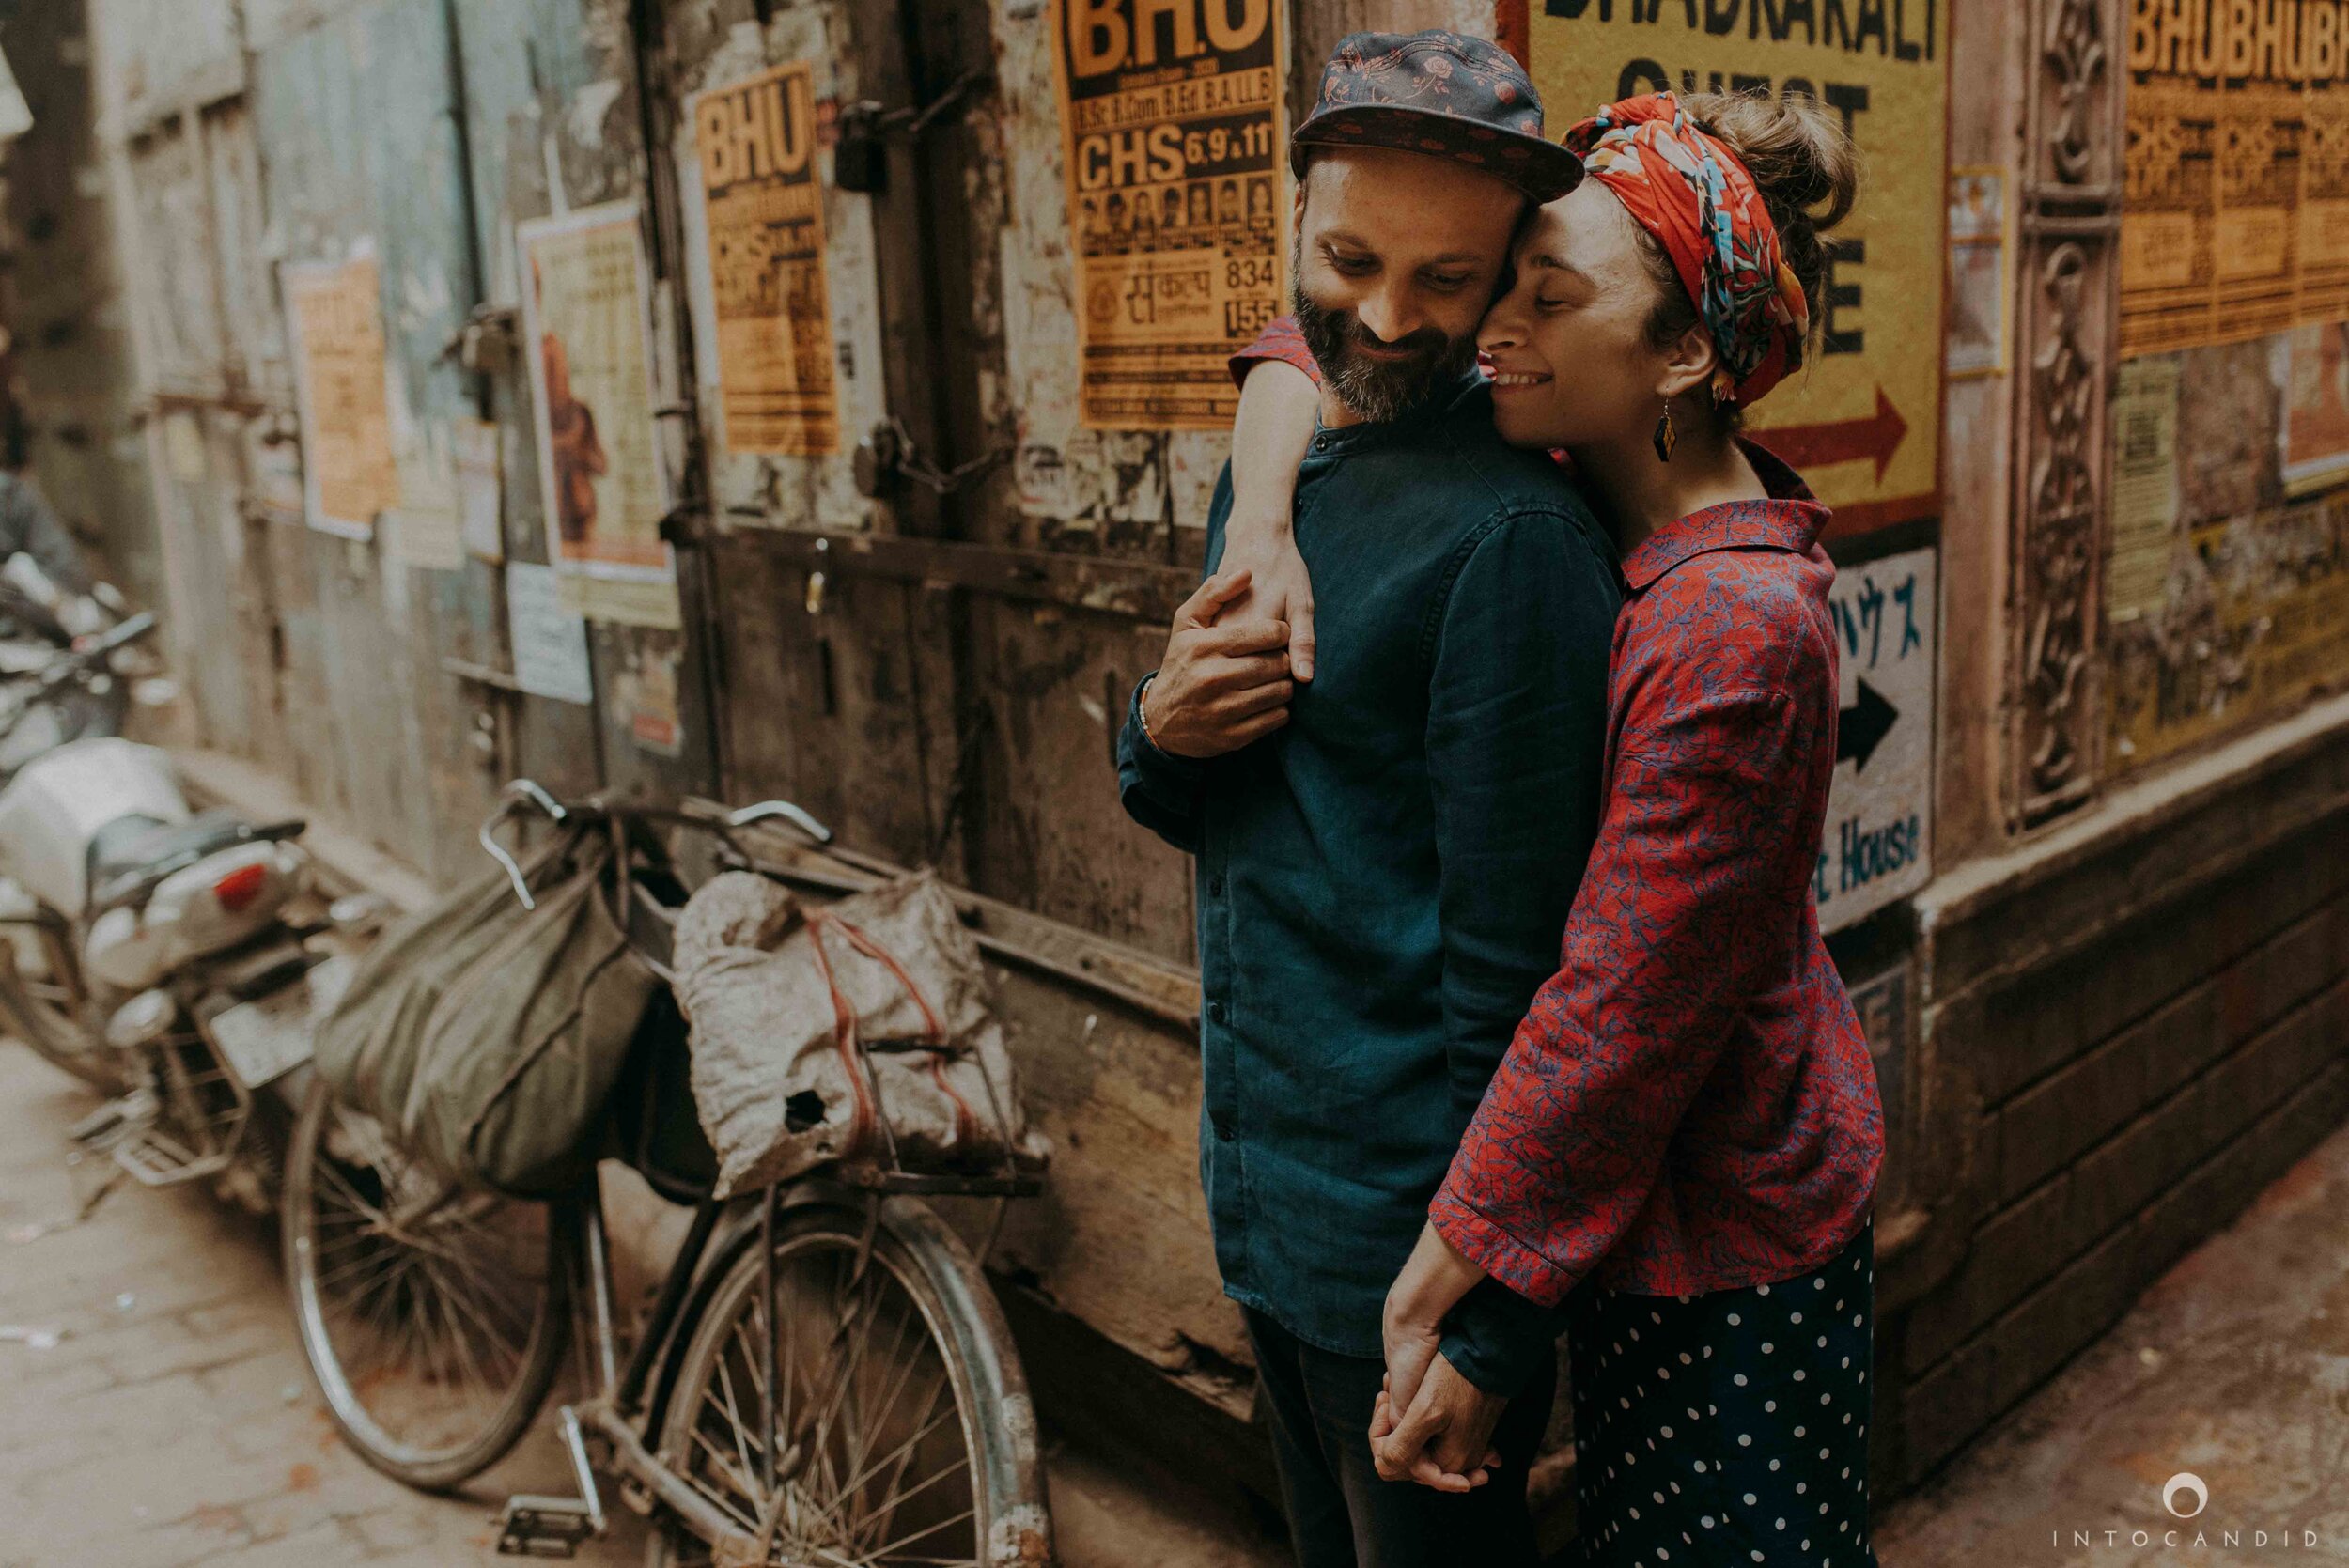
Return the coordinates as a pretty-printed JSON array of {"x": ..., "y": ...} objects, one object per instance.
[
  {"x": 433, "y": 1320},
  {"x": 905, "y": 1433}
]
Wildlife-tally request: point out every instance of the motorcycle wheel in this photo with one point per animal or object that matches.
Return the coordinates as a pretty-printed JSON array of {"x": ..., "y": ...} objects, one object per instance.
[{"x": 54, "y": 1032}]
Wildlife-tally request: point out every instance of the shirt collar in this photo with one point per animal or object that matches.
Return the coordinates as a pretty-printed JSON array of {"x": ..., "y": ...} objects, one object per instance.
[{"x": 1791, "y": 519}]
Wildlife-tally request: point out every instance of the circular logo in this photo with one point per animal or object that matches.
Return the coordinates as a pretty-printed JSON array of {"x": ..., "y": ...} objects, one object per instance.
[{"x": 2190, "y": 1485}]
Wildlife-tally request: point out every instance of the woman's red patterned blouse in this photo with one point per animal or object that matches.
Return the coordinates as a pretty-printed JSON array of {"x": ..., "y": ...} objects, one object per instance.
[{"x": 1689, "y": 1105}]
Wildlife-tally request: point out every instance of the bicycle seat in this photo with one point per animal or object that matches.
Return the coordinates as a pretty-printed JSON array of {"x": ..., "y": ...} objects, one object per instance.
[{"x": 133, "y": 849}]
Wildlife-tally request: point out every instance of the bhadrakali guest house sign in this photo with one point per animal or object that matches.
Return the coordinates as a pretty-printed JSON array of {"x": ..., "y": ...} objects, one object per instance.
[
  {"x": 1172, "y": 118},
  {"x": 1862, "y": 421}
]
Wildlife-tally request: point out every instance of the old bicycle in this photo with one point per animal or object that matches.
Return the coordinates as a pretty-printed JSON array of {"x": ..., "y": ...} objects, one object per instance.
[{"x": 824, "y": 1376}]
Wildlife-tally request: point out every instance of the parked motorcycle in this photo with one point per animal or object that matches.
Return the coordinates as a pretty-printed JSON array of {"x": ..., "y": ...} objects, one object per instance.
[
  {"x": 172, "y": 959},
  {"x": 47, "y": 697}
]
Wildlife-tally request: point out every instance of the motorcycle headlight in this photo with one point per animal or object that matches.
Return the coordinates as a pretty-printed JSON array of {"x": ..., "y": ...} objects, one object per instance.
[{"x": 144, "y": 1019}]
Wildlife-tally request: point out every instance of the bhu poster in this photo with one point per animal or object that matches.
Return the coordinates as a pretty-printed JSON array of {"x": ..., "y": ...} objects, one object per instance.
[
  {"x": 586, "y": 340},
  {"x": 764, "y": 208},
  {"x": 1171, "y": 110},
  {"x": 2236, "y": 218}
]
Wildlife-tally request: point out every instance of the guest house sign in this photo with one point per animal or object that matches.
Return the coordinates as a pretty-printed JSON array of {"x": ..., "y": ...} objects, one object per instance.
[{"x": 1863, "y": 422}]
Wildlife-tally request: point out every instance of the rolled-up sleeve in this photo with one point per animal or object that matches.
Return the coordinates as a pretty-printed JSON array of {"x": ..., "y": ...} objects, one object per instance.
[
  {"x": 1695, "y": 891},
  {"x": 1281, "y": 340},
  {"x": 1158, "y": 789}
]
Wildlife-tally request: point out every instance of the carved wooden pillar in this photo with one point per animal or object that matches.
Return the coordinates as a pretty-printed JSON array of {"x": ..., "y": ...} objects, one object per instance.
[{"x": 2068, "y": 283}]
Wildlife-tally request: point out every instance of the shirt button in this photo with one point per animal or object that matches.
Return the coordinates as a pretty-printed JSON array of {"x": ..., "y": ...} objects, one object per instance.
[
  {"x": 1223, "y": 1128},
  {"x": 1215, "y": 1011},
  {"x": 1215, "y": 887}
]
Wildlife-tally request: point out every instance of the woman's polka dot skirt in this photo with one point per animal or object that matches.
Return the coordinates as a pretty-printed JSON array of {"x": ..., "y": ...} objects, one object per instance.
[{"x": 1727, "y": 1428}]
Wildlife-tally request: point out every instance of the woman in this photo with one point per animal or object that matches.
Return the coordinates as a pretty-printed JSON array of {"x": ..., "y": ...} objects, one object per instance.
[{"x": 1687, "y": 1119}]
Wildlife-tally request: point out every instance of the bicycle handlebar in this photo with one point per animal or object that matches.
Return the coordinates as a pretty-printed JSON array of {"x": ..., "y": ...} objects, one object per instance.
[{"x": 527, "y": 793}]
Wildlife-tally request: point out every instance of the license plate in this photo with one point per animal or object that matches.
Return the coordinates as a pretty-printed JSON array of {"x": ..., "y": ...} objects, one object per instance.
[{"x": 265, "y": 1039}]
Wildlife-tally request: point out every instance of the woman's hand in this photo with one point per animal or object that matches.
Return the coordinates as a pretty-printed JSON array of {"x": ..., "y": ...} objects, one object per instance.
[
  {"x": 1279, "y": 587},
  {"x": 1433, "y": 1279}
]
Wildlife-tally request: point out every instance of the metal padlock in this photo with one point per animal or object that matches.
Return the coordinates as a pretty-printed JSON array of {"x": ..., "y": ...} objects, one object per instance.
[
  {"x": 874, "y": 466},
  {"x": 860, "y": 154}
]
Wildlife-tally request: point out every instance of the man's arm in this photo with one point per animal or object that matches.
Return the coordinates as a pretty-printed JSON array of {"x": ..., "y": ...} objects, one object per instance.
[{"x": 1515, "y": 735}]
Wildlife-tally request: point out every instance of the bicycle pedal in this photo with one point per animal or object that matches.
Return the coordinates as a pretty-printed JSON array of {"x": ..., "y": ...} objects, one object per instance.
[{"x": 544, "y": 1526}]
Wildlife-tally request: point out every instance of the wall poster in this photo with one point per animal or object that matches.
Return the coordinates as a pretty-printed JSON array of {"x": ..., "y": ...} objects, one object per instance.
[
  {"x": 2315, "y": 433},
  {"x": 764, "y": 207},
  {"x": 1174, "y": 142},
  {"x": 2227, "y": 591},
  {"x": 1863, "y": 420},
  {"x": 2236, "y": 218},
  {"x": 334, "y": 316},
  {"x": 586, "y": 333},
  {"x": 1979, "y": 318},
  {"x": 550, "y": 641}
]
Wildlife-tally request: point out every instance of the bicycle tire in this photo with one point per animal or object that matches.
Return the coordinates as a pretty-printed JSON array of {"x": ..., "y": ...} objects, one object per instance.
[
  {"x": 426, "y": 1468},
  {"x": 919, "y": 1255}
]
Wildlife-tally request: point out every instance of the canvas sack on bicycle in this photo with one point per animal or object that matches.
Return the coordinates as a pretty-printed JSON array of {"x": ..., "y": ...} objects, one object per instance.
[
  {"x": 824, "y": 1378},
  {"x": 486, "y": 1032}
]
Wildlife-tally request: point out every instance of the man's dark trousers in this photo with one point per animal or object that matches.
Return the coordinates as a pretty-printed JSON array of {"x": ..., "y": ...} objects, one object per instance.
[{"x": 1341, "y": 1513}]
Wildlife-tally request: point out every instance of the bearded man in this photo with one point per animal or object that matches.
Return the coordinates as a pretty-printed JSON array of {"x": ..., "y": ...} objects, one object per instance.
[{"x": 1386, "y": 856}]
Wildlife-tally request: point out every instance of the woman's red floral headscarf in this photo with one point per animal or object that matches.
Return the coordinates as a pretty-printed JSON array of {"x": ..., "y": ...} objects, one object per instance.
[{"x": 1694, "y": 195}]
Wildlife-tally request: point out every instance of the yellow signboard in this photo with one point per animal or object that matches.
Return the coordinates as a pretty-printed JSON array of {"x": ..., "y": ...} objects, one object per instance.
[
  {"x": 766, "y": 219},
  {"x": 2236, "y": 223},
  {"x": 1171, "y": 110},
  {"x": 1863, "y": 420}
]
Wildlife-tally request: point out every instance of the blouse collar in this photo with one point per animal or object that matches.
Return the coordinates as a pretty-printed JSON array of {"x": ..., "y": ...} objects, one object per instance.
[{"x": 1791, "y": 519}]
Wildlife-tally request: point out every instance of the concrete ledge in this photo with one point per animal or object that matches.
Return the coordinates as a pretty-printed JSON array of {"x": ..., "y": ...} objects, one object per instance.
[{"x": 2139, "y": 845}]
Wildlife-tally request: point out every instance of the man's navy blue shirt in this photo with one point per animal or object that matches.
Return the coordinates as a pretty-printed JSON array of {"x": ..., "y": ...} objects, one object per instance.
[{"x": 1383, "y": 882}]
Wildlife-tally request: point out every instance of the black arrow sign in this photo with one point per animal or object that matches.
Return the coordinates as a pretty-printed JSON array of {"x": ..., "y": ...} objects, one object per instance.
[{"x": 1862, "y": 726}]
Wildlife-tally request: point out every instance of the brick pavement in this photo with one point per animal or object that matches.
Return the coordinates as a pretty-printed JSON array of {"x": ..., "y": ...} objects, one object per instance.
[
  {"x": 175, "y": 1424},
  {"x": 2234, "y": 1367}
]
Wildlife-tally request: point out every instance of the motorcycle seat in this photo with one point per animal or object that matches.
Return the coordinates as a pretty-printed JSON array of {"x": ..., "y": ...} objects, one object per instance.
[{"x": 133, "y": 852}]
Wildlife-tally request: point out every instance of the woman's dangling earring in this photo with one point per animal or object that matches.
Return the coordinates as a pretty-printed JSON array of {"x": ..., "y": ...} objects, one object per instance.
[{"x": 1665, "y": 436}]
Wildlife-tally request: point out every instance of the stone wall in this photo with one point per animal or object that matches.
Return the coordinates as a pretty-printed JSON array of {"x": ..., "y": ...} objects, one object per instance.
[{"x": 2130, "y": 1028}]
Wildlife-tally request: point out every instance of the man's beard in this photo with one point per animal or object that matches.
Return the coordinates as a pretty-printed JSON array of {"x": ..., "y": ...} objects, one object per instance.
[{"x": 1378, "y": 390}]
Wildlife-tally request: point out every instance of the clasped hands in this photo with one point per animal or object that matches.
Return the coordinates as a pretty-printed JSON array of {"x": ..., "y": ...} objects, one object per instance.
[
  {"x": 1429, "y": 1423},
  {"x": 1238, "y": 647}
]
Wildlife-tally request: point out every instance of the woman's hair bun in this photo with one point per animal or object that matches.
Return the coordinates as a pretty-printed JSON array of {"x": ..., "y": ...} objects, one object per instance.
[{"x": 1804, "y": 164}]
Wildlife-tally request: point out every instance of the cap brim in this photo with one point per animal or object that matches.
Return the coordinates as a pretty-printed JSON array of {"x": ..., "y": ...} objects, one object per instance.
[{"x": 1542, "y": 169}]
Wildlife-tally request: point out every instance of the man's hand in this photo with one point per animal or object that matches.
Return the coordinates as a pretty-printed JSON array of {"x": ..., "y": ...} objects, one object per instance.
[
  {"x": 1444, "y": 1439},
  {"x": 1279, "y": 587},
  {"x": 1220, "y": 685}
]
